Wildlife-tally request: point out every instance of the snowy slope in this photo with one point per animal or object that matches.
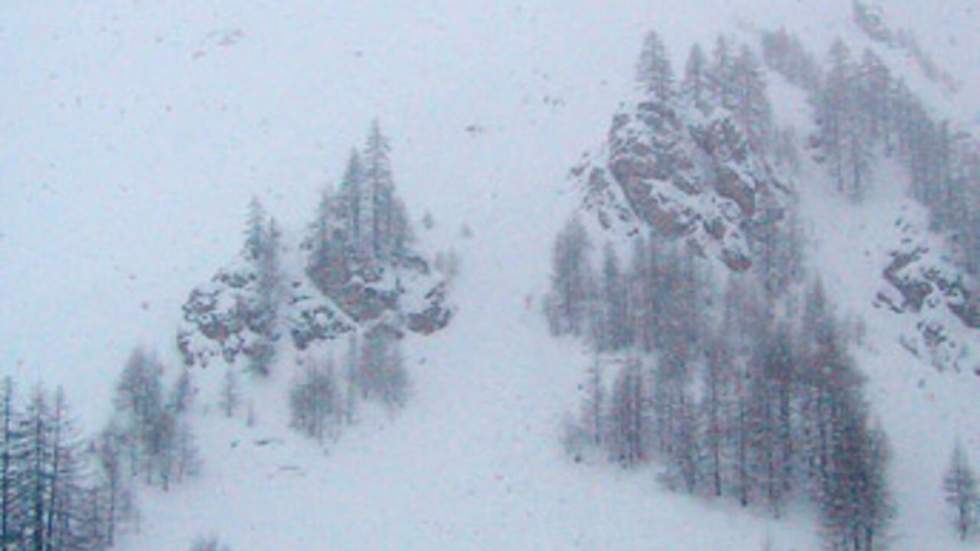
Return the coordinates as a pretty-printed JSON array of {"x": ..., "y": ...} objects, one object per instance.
[
  {"x": 132, "y": 134},
  {"x": 473, "y": 463}
]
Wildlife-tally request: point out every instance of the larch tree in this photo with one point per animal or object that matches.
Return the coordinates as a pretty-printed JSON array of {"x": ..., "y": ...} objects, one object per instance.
[
  {"x": 695, "y": 87},
  {"x": 230, "y": 396},
  {"x": 654, "y": 74},
  {"x": 628, "y": 438},
  {"x": 752, "y": 110},
  {"x": 571, "y": 280},
  {"x": 960, "y": 487},
  {"x": 313, "y": 402}
]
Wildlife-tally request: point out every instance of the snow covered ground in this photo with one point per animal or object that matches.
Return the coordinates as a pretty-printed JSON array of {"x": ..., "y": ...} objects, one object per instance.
[{"x": 132, "y": 134}]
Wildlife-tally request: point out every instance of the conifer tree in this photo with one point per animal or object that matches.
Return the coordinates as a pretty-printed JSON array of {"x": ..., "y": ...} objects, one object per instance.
[
  {"x": 960, "y": 486},
  {"x": 230, "y": 394},
  {"x": 313, "y": 402},
  {"x": 614, "y": 330},
  {"x": 717, "y": 406},
  {"x": 654, "y": 74},
  {"x": 116, "y": 497},
  {"x": 330, "y": 241},
  {"x": 594, "y": 406},
  {"x": 11, "y": 441},
  {"x": 695, "y": 86},
  {"x": 351, "y": 209},
  {"x": 628, "y": 418},
  {"x": 138, "y": 401},
  {"x": 753, "y": 113},
  {"x": 392, "y": 230},
  {"x": 571, "y": 280},
  {"x": 721, "y": 74}
]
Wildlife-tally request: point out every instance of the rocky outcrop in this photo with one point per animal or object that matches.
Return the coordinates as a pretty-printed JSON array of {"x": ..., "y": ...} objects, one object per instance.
[
  {"x": 681, "y": 175},
  {"x": 921, "y": 283},
  {"x": 221, "y": 318}
]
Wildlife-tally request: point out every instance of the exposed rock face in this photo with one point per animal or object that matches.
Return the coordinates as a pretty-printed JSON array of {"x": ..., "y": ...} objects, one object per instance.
[
  {"x": 681, "y": 174},
  {"x": 221, "y": 319},
  {"x": 312, "y": 317},
  {"x": 923, "y": 284},
  {"x": 435, "y": 316}
]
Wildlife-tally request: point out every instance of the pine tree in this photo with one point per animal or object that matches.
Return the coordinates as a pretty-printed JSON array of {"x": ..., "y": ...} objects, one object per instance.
[
  {"x": 11, "y": 441},
  {"x": 265, "y": 314},
  {"x": 844, "y": 134},
  {"x": 255, "y": 230},
  {"x": 313, "y": 402},
  {"x": 628, "y": 418},
  {"x": 695, "y": 87},
  {"x": 855, "y": 502},
  {"x": 615, "y": 331},
  {"x": 770, "y": 391},
  {"x": 594, "y": 405},
  {"x": 139, "y": 403},
  {"x": 230, "y": 393},
  {"x": 753, "y": 113},
  {"x": 571, "y": 280},
  {"x": 332, "y": 237},
  {"x": 114, "y": 485},
  {"x": 832, "y": 109},
  {"x": 380, "y": 190},
  {"x": 186, "y": 459},
  {"x": 36, "y": 460},
  {"x": 351, "y": 378},
  {"x": 654, "y": 74},
  {"x": 182, "y": 395},
  {"x": 65, "y": 479},
  {"x": 960, "y": 486},
  {"x": 395, "y": 388},
  {"x": 872, "y": 96},
  {"x": 352, "y": 209},
  {"x": 721, "y": 74},
  {"x": 381, "y": 370},
  {"x": 717, "y": 406}
]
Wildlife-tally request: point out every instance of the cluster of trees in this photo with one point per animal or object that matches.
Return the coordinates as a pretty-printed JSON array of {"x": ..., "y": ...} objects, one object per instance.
[
  {"x": 730, "y": 83},
  {"x": 736, "y": 399},
  {"x": 784, "y": 53},
  {"x": 361, "y": 225},
  {"x": 361, "y": 229},
  {"x": 621, "y": 306},
  {"x": 57, "y": 491},
  {"x": 321, "y": 402},
  {"x": 150, "y": 430},
  {"x": 863, "y": 112}
]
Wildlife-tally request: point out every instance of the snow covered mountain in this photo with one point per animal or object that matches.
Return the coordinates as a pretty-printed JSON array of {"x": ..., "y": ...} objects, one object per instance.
[{"x": 133, "y": 134}]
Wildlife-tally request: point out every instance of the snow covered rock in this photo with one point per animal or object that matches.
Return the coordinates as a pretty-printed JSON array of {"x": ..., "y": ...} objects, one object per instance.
[
  {"x": 683, "y": 175},
  {"x": 923, "y": 284}
]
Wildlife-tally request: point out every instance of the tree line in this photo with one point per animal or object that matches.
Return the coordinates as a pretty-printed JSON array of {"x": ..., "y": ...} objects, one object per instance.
[
  {"x": 728, "y": 393},
  {"x": 863, "y": 112},
  {"x": 58, "y": 491}
]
